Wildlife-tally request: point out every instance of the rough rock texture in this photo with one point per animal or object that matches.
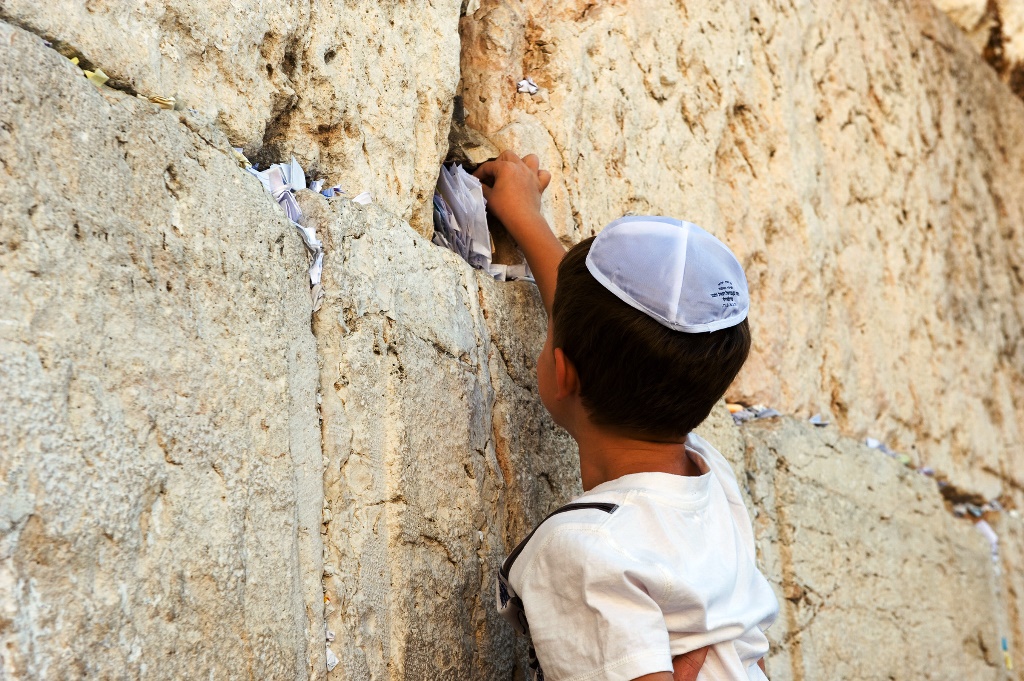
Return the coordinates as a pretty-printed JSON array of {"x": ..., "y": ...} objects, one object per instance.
[
  {"x": 859, "y": 159},
  {"x": 158, "y": 439},
  {"x": 876, "y": 580},
  {"x": 996, "y": 30},
  {"x": 358, "y": 91},
  {"x": 1010, "y": 529}
]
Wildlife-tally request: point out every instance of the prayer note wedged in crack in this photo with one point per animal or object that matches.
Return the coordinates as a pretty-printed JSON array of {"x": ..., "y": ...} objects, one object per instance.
[
  {"x": 282, "y": 180},
  {"x": 460, "y": 223}
]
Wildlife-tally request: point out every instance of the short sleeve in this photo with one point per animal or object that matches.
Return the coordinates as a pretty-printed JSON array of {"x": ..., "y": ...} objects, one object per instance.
[{"x": 590, "y": 608}]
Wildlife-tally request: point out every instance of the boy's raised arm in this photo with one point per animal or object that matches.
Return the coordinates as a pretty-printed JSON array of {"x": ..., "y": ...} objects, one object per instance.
[{"x": 513, "y": 188}]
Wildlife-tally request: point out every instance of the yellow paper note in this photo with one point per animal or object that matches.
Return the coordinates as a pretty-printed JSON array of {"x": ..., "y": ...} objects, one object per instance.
[
  {"x": 162, "y": 102},
  {"x": 97, "y": 77},
  {"x": 241, "y": 159}
]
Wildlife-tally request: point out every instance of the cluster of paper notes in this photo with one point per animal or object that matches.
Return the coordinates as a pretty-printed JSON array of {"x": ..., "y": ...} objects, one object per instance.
[
  {"x": 282, "y": 180},
  {"x": 460, "y": 217},
  {"x": 460, "y": 223},
  {"x": 741, "y": 414},
  {"x": 99, "y": 79}
]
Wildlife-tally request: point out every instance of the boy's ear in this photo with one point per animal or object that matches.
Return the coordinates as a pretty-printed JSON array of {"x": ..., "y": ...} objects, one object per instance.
[{"x": 567, "y": 381}]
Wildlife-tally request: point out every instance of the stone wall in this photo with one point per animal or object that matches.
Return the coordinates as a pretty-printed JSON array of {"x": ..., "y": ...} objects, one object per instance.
[
  {"x": 858, "y": 157},
  {"x": 434, "y": 445},
  {"x": 177, "y": 426},
  {"x": 876, "y": 580}
]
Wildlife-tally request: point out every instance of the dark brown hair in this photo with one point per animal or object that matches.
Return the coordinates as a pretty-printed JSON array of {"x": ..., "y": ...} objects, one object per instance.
[{"x": 637, "y": 375}]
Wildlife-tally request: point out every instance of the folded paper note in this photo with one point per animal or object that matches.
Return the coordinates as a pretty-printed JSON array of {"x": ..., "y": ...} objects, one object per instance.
[
  {"x": 318, "y": 187},
  {"x": 163, "y": 102},
  {"x": 97, "y": 77},
  {"x": 460, "y": 223},
  {"x": 527, "y": 86}
]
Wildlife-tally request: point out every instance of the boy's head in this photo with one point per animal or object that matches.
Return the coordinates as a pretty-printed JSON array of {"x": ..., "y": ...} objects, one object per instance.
[{"x": 620, "y": 305}]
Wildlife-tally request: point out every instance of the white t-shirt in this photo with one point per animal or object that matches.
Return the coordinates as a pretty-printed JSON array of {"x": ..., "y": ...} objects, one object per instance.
[{"x": 616, "y": 596}]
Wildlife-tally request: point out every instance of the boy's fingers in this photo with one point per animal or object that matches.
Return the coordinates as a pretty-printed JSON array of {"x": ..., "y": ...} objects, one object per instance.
[
  {"x": 484, "y": 171},
  {"x": 532, "y": 162},
  {"x": 544, "y": 177},
  {"x": 487, "y": 172},
  {"x": 487, "y": 191},
  {"x": 508, "y": 155},
  {"x": 687, "y": 667}
]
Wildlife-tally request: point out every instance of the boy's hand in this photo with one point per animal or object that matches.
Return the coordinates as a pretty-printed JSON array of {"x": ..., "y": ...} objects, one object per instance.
[
  {"x": 513, "y": 188},
  {"x": 685, "y": 667}
]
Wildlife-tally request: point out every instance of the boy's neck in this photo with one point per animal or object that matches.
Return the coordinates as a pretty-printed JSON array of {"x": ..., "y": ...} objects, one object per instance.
[{"x": 606, "y": 455}]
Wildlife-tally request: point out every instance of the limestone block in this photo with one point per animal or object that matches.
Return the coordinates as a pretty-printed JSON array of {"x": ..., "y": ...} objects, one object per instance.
[
  {"x": 360, "y": 92},
  {"x": 970, "y": 15},
  {"x": 158, "y": 433},
  {"x": 860, "y": 160},
  {"x": 876, "y": 580}
]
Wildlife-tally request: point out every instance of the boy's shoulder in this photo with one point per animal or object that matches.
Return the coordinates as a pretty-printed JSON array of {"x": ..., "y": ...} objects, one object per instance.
[
  {"x": 583, "y": 521},
  {"x": 582, "y": 538}
]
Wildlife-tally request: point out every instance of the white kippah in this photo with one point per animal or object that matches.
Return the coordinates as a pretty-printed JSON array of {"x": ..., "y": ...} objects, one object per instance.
[{"x": 672, "y": 271}]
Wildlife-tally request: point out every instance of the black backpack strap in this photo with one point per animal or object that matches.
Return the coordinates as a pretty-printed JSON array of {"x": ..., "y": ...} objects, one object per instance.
[{"x": 506, "y": 566}]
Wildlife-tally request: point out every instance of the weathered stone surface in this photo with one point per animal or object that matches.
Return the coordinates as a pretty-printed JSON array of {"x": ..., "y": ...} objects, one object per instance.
[
  {"x": 852, "y": 154},
  {"x": 157, "y": 374},
  {"x": 875, "y": 579},
  {"x": 996, "y": 30},
  {"x": 859, "y": 159},
  {"x": 358, "y": 91},
  {"x": 1009, "y": 528}
]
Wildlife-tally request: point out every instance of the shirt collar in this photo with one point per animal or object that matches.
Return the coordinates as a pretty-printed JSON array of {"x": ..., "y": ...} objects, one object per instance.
[{"x": 690, "y": 487}]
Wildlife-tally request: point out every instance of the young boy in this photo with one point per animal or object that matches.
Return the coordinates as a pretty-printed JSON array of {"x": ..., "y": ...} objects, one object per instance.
[{"x": 653, "y": 568}]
